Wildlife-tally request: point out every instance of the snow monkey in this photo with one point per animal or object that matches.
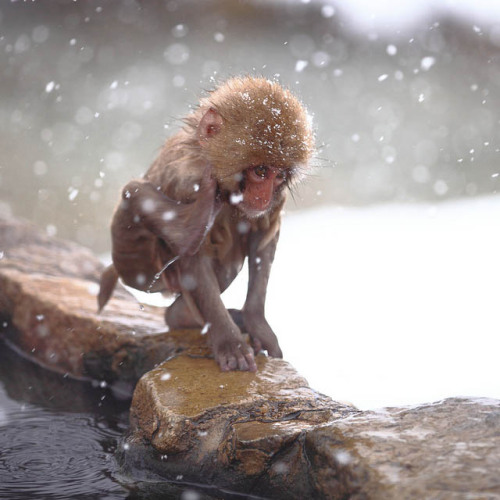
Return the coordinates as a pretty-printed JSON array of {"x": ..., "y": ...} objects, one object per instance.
[{"x": 212, "y": 198}]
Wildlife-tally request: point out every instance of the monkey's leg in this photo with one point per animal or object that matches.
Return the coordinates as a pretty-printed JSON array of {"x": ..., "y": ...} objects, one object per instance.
[
  {"x": 180, "y": 314},
  {"x": 228, "y": 345},
  {"x": 253, "y": 312},
  {"x": 237, "y": 316}
]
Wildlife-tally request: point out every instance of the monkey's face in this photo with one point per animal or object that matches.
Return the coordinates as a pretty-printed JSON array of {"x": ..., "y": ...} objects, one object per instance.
[
  {"x": 259, "y": 189},
  {"x": 257, "y": 136},
  {"x": 255, "y": 190}
]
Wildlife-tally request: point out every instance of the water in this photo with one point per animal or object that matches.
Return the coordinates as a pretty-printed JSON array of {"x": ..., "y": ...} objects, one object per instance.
[{"x": 57, "y": 435}]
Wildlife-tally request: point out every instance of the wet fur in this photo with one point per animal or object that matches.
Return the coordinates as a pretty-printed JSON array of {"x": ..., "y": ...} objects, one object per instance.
[{"x": 263, "y": 124}]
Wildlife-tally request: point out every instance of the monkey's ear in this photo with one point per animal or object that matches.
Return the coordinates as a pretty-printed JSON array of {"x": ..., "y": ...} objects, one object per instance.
[{"x": 209, "y": 126}]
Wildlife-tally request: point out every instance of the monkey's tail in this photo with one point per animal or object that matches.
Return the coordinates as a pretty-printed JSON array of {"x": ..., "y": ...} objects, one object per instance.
[{"x": 109, "y": 277}]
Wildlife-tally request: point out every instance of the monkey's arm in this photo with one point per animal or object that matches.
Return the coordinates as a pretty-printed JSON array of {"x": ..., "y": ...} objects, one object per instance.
[
  {"x": 228, "y": 345},
  {"x": 253, "y": 312},
  {"x": 183, "y": 226},
  {"x": 145, "y": 216}
]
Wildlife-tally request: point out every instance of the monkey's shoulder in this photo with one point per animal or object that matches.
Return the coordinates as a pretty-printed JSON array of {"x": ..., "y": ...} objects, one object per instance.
[{"x": 175, "y": 180}]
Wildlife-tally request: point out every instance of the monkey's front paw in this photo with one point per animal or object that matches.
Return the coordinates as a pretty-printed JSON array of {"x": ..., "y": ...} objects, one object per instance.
[{"x": 235, "y": 355}]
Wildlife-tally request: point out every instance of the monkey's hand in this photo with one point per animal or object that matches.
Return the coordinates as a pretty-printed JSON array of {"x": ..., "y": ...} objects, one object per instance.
[{"x": 230, "y": 349}]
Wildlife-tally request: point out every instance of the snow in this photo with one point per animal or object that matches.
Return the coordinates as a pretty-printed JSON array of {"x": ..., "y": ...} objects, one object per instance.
[
  {"x": 148, "y": 205},
  {"x": 40, "y": 168},
  {"x": 236, "y": 198},
  {"x": 50, "y": 87},
  {"x": 180, "y": 30},
  {"x": 392, "y": 50},
  {"x": 177, "y": 53},
  {"x": 300, "y": 65},
  {"x": 389, "y": 305},
  {"x": 327, "y": 11},
  {"x": 427, "y": 62},
  {"x": 73, "y": 193},
  {"x": 40, "y": 34}
]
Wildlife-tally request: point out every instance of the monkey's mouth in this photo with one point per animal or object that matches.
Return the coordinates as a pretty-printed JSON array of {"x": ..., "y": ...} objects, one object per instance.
[
  {"x": 237, "y": 199},
  {"x": 253, "y": 212}
]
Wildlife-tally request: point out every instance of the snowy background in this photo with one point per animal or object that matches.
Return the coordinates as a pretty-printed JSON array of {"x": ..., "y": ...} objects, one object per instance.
[
  {"x": 399, "y": 304},
  {"x": 385, "y": 283}
]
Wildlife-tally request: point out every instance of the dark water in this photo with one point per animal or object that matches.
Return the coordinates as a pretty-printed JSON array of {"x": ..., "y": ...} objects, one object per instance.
[{"x": 58, "y": 437}]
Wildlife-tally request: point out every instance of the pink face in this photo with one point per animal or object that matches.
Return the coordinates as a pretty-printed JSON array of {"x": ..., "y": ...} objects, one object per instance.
[{"x": 261, "y": 184}]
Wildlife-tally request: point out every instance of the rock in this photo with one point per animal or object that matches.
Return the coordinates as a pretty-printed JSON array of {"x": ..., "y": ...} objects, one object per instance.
[
  {"x": 270, "y": 435},
  {"x": 444, "y": 450},
  {"x": 29, "y": 383},
  {"x": 48, "y": 310},
  {"x": 239, "y": 430}
]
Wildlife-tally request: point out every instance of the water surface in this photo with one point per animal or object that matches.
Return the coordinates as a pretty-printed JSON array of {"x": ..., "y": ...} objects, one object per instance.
[{"x": 57, "y": 435}]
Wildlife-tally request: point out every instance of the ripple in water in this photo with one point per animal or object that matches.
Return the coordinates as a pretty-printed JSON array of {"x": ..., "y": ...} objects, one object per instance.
[{"x": 57, "y": 456}]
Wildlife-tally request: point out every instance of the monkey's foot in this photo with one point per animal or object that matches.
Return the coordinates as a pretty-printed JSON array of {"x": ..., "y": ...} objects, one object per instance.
[
  {"x": 265, "y": 341},
  {"x": 233, "y": 354},
  {"x": 262, "y": 336},
  {"x": 179, "y": 315}
]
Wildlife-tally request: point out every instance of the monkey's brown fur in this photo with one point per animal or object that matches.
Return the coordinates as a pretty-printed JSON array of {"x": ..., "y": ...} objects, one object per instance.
[
  {"x": 259, "y": 123},
  {"x": 264, "y": 123}
]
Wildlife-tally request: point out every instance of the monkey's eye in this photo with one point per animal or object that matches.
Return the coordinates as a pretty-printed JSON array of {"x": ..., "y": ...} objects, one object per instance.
[
  {"x": 282, "y": 177},
  {"x": 261, "y": 171}
]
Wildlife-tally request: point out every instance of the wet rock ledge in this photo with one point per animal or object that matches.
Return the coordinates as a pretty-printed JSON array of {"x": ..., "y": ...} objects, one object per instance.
[
  {"x": 268, "y": 435},
  {"x": 48, "y": 311}
]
